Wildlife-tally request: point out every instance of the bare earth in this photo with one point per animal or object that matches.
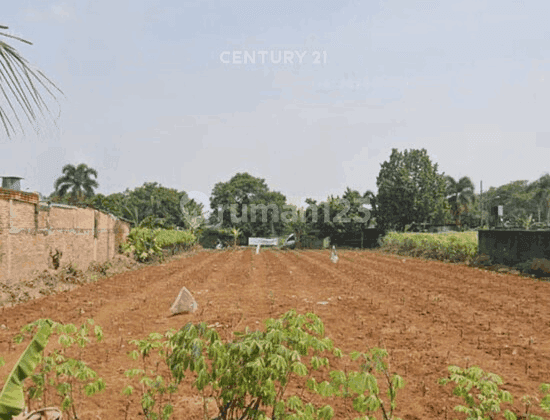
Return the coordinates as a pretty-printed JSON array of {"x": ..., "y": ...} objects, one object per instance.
[{"x": 427, "y": 314}]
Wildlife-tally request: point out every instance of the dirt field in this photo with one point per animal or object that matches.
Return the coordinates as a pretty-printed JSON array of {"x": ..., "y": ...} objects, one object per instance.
[{"x": 427, "y": 314}]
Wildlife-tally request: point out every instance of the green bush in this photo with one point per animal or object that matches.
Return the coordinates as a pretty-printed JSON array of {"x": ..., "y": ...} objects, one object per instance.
[{"x": 143, "y": 244}]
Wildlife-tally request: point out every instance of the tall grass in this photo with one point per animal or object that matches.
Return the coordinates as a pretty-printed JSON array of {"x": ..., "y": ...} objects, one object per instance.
[{"x": 450, "y": 246}]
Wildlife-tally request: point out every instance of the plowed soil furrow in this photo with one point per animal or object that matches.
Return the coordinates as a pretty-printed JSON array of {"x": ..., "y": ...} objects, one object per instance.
[
  {"x": 471, "y": 330},
  {"x": 428, "y": 315}
]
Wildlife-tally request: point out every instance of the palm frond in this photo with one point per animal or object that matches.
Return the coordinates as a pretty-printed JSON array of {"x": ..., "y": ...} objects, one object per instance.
[{"x": 20, "y": 84}]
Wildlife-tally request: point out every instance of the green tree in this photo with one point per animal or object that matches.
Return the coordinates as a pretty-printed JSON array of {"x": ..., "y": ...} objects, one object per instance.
[
  {"x": 109, "y": 204},
  {"x": 339, "y": 217},
  {"x": 193, "y": 216},
  {"x": 78, "y": 180},
  {"x": 410, "y": 190},
  {"x": 515, "y": 197},
  {"x": 358, "y": 215},
  {"x": 21, "y": 86},
  {"x": 541, "y": 190},
  {"x": 460, "y": 196},
  {"x": 247, "y": 203},
  {"x": 152, "y": 205},
  {"x": 161, "y": 206},
  {"x": 296, "y": 222}
]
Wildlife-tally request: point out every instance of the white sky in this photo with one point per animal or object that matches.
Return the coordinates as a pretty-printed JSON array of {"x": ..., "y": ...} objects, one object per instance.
[{"x": 148, "y": 97}]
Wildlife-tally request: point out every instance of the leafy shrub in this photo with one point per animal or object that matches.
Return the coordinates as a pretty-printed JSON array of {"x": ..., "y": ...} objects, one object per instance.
[{"x": 143, "y": 244}]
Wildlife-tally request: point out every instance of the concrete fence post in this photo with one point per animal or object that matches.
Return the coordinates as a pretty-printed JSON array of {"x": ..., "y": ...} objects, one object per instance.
[{"x": 8, "y": 256}]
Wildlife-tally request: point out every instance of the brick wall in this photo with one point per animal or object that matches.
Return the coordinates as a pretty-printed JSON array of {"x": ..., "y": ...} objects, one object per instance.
[{"x": 30, "y": 230}]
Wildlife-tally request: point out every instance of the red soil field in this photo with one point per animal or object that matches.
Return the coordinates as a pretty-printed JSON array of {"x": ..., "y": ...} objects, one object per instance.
[{"x": 427, "y": 314}]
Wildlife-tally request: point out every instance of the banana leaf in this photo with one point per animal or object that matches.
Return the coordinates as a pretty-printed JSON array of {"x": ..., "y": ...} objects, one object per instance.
[{"x": 12, "y": 398}]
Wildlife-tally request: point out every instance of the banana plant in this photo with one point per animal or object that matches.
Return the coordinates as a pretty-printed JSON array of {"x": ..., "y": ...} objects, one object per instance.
[
  {"x": 12, "y": 397},
  {"x": 236, "y": 233}
]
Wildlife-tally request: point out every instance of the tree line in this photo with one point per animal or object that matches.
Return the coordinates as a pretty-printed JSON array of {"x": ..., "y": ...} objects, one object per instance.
[{"x": 412, "y": 195}]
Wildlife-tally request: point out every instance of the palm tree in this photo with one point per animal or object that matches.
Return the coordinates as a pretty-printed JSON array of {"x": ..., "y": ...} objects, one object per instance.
[
  {"x": 20, "y": 86},
  {"x": 78, "y": 180},
  {"x": 459, "y": 195},
  {"x": 542, "y": 194}
]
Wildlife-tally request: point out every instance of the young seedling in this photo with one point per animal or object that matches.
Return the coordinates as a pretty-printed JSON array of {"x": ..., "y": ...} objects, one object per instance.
[{"x": 157, "y": 383}]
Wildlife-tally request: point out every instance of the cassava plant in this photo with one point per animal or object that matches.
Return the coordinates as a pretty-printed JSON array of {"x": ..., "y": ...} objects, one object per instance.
[
  {"x": 156, "y": 384},
  {"x": 66, "y": 377},
  {"x": 485, "y": 404},
  {"x": 247, "y": 377},
  {"x": 362, "y": 386}
]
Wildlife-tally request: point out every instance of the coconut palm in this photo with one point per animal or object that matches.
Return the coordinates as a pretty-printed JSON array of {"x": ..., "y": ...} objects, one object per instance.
[
  {"x": 460, "y": 195},
  {"x": 78, "y": 180},
  {"x": 20, "y": 86}
]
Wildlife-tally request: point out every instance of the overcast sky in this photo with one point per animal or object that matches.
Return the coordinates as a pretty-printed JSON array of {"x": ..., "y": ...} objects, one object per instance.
[{"x": 160, "y": 91}]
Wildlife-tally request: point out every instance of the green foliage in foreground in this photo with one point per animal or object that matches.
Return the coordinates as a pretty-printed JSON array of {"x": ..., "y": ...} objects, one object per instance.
[
  {"x": 485, "y": 403},
  {"x": 452, "y": 246},
  {"x": 247, "y": 377},
  {"x": 53, "y": 376},
  {"x": 12, "y": 398}
]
